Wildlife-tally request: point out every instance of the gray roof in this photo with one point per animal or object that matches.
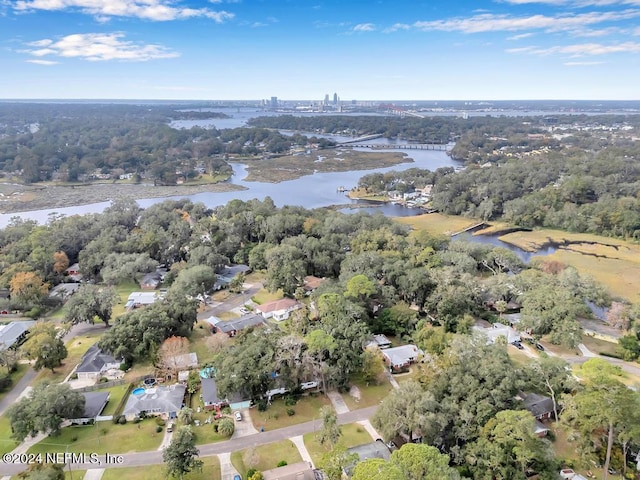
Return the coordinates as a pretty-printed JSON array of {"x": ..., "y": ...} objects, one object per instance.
[
  {"x": 157, "y": 400},
  {"x": 153, "y": 278},
  {"x": 94, "y": 360},
  {"x": 402, "y": 355},
  {"x": 538, "y": 405},
  {"x": 230, "y": 271},
  {"x": 94, "y": 403},
  {"x": 210, "y": 390},
  {"x": 63, "y": 290},
  {"x": 246, "y": 321},
  {"x": 11, "y": 332},
  {"x": 295, "y": 471}
]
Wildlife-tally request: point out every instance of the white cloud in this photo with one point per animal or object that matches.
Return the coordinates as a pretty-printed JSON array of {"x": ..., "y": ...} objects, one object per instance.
[
  {"x": 156, "y": 10},
  {"x": 397, "y": 26},
  {"x": 42, "y": 62},
  {"x": 98, "y": 47},
  {"x": 364, "y": 27},
  {"x": 488, "y": 22},
  {"x": 520, "y": 36},
  {"x": 581, "y": 49},
  {"x": 582, "y": 64}
]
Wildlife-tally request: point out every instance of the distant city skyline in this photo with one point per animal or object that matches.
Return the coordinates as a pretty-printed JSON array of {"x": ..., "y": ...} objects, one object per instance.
[{"x": 320, "y": 50}]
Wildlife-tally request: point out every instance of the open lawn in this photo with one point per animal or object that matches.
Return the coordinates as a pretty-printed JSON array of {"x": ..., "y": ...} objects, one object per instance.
[
  {"x": 104, "y": 437},
  {"x": 205, "y": 433},
  {"x": 412, "y": 374},
  {"x": 76, "y": 348},
  {"x": 353, "y": 434},
  {"x": 115, "y": 395},
  {"x": 6, "y": 442},
  {"x": 198, "y": 344},
  {"x": 362, "y": 194},
  {"x": 306, "y": 410},
  {"x": 263, "y": 295},
  {"x": 597, "y": 345},
  {"x": 566, "y": 452},
  {"x": 370, "y": 395},
  {"x": 265, "y": 457},
  {"x": 210, "y": 471},
  {"x": 139, "y": 370},
  {"x": 437, "y": 223}
]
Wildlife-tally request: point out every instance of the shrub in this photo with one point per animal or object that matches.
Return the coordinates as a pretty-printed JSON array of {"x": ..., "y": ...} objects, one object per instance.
[
  {"x": 103, "y": 380},
  {"x": 74, "y": 438},
  {"x": 160, "y": 421},
  {"x": 291, "y": 412},
  {"x": 226, "y": 427},
  {"x": 262, "y": 405},
  {"x": 74, "y": 376},
  {"x": 290, "y": 400},
  {"x": 122, "y": 420},
  {"x": 136, "y": 419},
  {"x": 250, "y": 472},
  {"x": 282, "y": 463},
  {"x": 158, "y": 428},
  {"x": 5, "y": 383}
]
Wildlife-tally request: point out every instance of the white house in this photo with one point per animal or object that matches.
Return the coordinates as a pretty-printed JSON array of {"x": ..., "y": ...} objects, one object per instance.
[
  {"x": 140, "y": 299},
  {"x": 401, "y": 357},
  {"x": 279, "y": 310}
]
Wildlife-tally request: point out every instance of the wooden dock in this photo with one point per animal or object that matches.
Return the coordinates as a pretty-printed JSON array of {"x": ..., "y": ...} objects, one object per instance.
[{"x": 470, "y": 228}]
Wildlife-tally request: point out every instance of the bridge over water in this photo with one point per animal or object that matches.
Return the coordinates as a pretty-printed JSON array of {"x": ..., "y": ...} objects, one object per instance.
[{"x": 408, "y": 146}]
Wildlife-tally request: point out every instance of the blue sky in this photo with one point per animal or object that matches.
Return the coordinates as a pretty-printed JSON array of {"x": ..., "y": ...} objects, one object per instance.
[{"x": 304, "y": 49}]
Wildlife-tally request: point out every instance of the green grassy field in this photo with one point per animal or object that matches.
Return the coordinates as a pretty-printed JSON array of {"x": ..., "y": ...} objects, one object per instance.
[
  {"x": 210, "y": 471},
  {"x": 6, "y": 442},
  {"x": 307, "y": 409},
  {"x": 266, "y": 457},
  {"x": 370, "y": 395},
  {"x": 115, "y": 395},
  {"x": 104, "y": 437},
  {"x": 198, "y": 342},
  {"x": 76, "y": 348},
  {"x": 353, "y": 434},
  {"x": 263, "y": 295}
]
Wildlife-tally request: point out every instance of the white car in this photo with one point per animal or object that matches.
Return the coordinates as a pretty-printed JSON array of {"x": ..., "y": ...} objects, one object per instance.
[{"x": 237, "y": 416}]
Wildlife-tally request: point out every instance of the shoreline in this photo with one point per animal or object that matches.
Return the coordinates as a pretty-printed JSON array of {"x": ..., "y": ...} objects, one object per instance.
[{"x": 41, "y": 197}]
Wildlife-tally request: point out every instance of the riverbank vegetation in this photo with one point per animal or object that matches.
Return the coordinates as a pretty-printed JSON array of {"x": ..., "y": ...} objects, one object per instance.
[{"x": 290, "y": 167}]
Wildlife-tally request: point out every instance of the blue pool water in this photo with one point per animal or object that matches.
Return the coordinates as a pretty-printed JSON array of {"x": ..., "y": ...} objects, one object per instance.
[
  {"x": 207, "y": 372},
  {"x": 138, "y": 391}
]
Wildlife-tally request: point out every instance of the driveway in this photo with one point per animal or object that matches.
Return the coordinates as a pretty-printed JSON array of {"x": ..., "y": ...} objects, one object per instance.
[
  {"x": 245, "y": 426},
  {"x": 235, "y": 301},
  {"x": 227, "y": 469}
]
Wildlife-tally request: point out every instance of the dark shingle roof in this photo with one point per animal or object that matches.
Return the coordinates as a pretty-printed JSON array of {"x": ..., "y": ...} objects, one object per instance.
[
  {"x": 246, "y": 321},
  {"x": 209, "y": 390},
  {"x": 94, "y": 403},
  {"x": 94, "y": 360},
  {"x": 538, "y": 405}
]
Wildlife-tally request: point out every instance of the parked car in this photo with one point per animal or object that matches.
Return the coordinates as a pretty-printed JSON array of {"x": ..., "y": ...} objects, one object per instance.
[
  {"x": 518, "y": 345},
  {"x": 238, "y": 416},
  {"x": 539, "y": 347}
]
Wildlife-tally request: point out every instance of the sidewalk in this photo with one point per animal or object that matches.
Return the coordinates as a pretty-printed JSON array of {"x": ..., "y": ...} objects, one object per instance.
[{"x": 298, "y": 441}]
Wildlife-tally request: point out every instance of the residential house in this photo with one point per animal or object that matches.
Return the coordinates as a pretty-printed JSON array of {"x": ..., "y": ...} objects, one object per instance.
[
  {"x": 180, "y": 364},
  {"x": 540, "y": 429},
  {"x": 159, "y": 401},
  {"x": 141, "y": 299},
  {"x": 63, "y": 291},
  {"x": 96, "y": 363},
  {"x": 540, "y": 406},
  {"x": 311, "y": 283},
  {"x": 73, "y": 272},
  {"x": 209, "y": 394},
  {"x": 399, "y": 358},
  {"x": 228, "y": 273},
  {"x": 14, "y": 333},
  {"x": 499, "y": 330},
  {"x": 377, "y": 449},
  {"x": 295, "y": 471},
  {"x": 380, "y": 341},
  {"x": 94, "y": 403},
  {"x": 152, "y": 280},
  {"x": 232, "y": 327},
  {"x": 279, "y": 310}
]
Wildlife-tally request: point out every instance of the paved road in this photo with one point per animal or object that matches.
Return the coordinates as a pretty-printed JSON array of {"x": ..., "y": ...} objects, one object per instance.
[
  {"x": 154, "y": 457},
  {"x": 234, "y": 301},
  {"x": 18, "y": 388}
]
